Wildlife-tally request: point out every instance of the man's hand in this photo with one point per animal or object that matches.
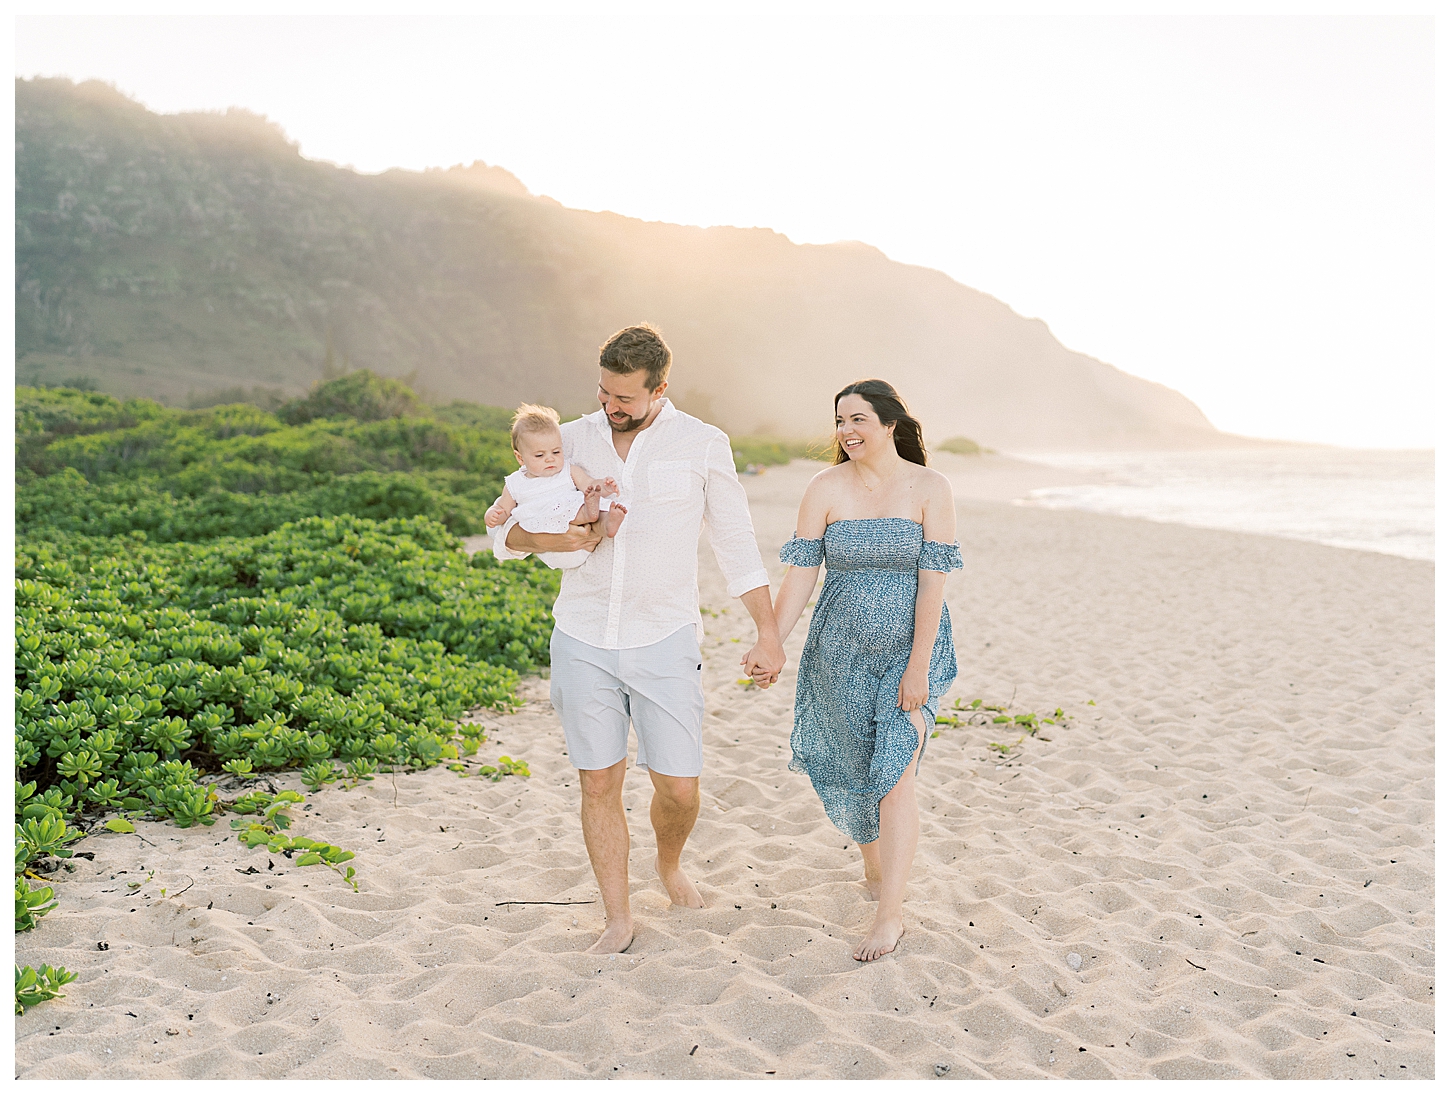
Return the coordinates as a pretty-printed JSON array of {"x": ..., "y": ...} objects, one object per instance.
[
  {"x": 577, "y": 538},
  {"x": 586, "y": 537},
  {"x": 764, "y": 661},
  {"x": 766, "y": 658}
]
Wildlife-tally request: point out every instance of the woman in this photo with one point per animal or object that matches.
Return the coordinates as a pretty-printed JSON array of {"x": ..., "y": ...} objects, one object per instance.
[{"x": 879, "y": 652}]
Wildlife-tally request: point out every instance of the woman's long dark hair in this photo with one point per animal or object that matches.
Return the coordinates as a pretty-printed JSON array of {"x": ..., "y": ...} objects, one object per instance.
[{"x": 891, "y": 409}]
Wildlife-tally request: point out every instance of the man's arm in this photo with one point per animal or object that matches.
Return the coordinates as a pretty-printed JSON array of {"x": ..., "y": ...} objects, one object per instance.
[
  {"x": 585, "y": 537},
  {"x": 727, "y": 519},
  {"x": 732, "y": 537}
]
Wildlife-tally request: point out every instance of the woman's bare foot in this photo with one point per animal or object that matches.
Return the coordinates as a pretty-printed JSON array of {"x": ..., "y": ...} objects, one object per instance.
[
  {"x": 678, "y": 885},
  {"x": 615, "y": 519},
  {"x": 618, "y": 935},
  {"x": 873, "y": 887},
  {"x": 881, "y": 939},
  {"x": 589, "y": 511}
]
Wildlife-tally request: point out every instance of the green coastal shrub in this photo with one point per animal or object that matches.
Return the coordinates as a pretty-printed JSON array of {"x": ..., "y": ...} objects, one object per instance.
[
  {"x": 91, "y": 464},
  {"x": 361, "y": 395},
  {"x": 215, "y": 592},
  {"x": 962, "y": 446},
  {"x": 765, "y": 451},
  {"x": 34, "y": 986},
  {"x": 66, "y": 502},
  {"x": 140, "y": 669}
]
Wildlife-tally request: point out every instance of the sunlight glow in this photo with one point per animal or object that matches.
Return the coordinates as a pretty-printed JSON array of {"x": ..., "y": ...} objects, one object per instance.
[{"x": 1239, "y": 207}]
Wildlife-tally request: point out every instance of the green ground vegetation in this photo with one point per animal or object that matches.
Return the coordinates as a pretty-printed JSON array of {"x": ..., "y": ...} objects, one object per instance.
[
  {"x": 91, "y": 464},
  {"x": 962, "y": 446},
  {"x": 206, "y": 596},
  {"x": 767, "y": 451}
]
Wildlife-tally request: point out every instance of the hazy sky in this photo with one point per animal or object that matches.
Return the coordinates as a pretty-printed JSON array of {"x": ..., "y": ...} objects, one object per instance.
[{"x": 1240, "y": 207}]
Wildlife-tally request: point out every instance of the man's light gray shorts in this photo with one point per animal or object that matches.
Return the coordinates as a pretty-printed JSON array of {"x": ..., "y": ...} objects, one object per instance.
[{"x": 598, "y": 692}]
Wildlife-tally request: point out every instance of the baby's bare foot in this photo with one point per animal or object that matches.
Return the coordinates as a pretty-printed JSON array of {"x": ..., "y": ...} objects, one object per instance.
[
  {"x": 678, "y": 885},
  {"x": 589, "y": 511},
  {"x": 880, "y": 940},
  {"x": 615, "y": 519}
]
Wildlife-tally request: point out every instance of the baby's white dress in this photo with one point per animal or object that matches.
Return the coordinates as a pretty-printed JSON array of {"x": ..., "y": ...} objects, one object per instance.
[{"x": 546, "y": 503}]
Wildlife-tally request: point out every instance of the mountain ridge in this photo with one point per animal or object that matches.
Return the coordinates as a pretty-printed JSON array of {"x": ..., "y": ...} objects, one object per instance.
[{"x": 167, "y": 255}]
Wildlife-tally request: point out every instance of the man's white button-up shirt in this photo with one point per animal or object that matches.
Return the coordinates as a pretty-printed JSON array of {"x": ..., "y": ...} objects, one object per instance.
[{"x": 642, "y": 585}]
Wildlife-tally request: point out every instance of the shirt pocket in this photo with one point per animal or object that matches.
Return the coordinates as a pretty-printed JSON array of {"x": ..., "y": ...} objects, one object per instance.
[{"x": 669, "y": 480}]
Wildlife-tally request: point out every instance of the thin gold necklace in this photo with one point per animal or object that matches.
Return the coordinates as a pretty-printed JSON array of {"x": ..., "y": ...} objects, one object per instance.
[{"x": 871, "y": 489}]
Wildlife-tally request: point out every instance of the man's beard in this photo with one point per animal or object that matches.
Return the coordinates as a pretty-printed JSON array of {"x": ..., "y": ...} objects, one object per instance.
[{"x": 629, "y": 425}]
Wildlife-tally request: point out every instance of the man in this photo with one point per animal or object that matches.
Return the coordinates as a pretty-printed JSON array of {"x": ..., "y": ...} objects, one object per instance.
[{"x": 627, "y": 621}]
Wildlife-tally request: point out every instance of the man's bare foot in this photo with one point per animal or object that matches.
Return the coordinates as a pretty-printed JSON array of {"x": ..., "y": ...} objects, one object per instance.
[
  {"x": 678, "y": 885},
  {"x": 589, "y": 511},
  {"x": 881, "y": 939},
  {"x": 618, "y": 935},
  {"x": 615, "y": 519}
]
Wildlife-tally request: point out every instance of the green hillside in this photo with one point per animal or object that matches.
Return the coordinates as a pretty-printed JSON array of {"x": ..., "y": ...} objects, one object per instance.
[
  {"x": 173, "y": 255},
  {"x": 194, "y": 257}
]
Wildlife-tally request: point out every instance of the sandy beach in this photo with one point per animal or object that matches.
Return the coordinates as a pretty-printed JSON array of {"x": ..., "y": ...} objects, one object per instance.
[{"x": 1219, "y": 864}]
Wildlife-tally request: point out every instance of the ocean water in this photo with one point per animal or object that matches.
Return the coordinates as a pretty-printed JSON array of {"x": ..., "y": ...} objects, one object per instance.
[{"x": 1373, "y": 500}]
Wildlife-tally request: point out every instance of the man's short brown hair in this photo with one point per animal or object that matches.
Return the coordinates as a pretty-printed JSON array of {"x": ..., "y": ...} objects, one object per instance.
[
  {"x": 531, "y": 418},
  {"x": 635, "y": 348}
]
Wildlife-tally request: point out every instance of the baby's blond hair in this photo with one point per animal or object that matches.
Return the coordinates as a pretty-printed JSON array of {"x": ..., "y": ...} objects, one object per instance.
[{"x": 531, "y": 418}]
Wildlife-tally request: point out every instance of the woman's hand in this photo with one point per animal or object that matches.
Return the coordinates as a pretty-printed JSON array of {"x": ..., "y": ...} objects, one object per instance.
[
  {"x": 913, "y": 691},
  {"x": 763, "y": 662}
]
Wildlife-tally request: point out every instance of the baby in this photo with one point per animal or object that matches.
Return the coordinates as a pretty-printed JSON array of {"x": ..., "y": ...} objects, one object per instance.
[{"x": 547, "y": 493}]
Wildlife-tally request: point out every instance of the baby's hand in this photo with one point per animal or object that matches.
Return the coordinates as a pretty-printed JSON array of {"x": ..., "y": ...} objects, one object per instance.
[{"x": 494, "y": 517}]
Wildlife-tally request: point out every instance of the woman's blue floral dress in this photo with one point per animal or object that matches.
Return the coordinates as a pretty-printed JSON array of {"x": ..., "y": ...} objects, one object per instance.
[{"x": 849, "y": 736}]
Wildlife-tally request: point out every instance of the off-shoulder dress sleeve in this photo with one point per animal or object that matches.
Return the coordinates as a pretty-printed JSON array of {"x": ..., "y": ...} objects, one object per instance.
[
  {"x": 803, "y": 553},
  {"x": 936, "y": 555}
]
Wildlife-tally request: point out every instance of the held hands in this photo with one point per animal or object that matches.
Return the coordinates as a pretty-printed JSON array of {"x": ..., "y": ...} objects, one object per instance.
[
  {"x": 763, "y": 663},
  {"x": 913, "y": 691}
]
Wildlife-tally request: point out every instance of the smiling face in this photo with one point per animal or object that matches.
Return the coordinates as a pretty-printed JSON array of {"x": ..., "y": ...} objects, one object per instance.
[
  {"x": 858, "y": 429},
  {"x": 541, "y": 452},
  {"x": 626, "y": 400}
]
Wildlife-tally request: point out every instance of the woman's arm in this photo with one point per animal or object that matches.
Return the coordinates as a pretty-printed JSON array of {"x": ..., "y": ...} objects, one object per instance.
[
  {"x": 939, "y": 523},
  {"x": 790, "y": 602},
  {"x": 799, "y": 582}
]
